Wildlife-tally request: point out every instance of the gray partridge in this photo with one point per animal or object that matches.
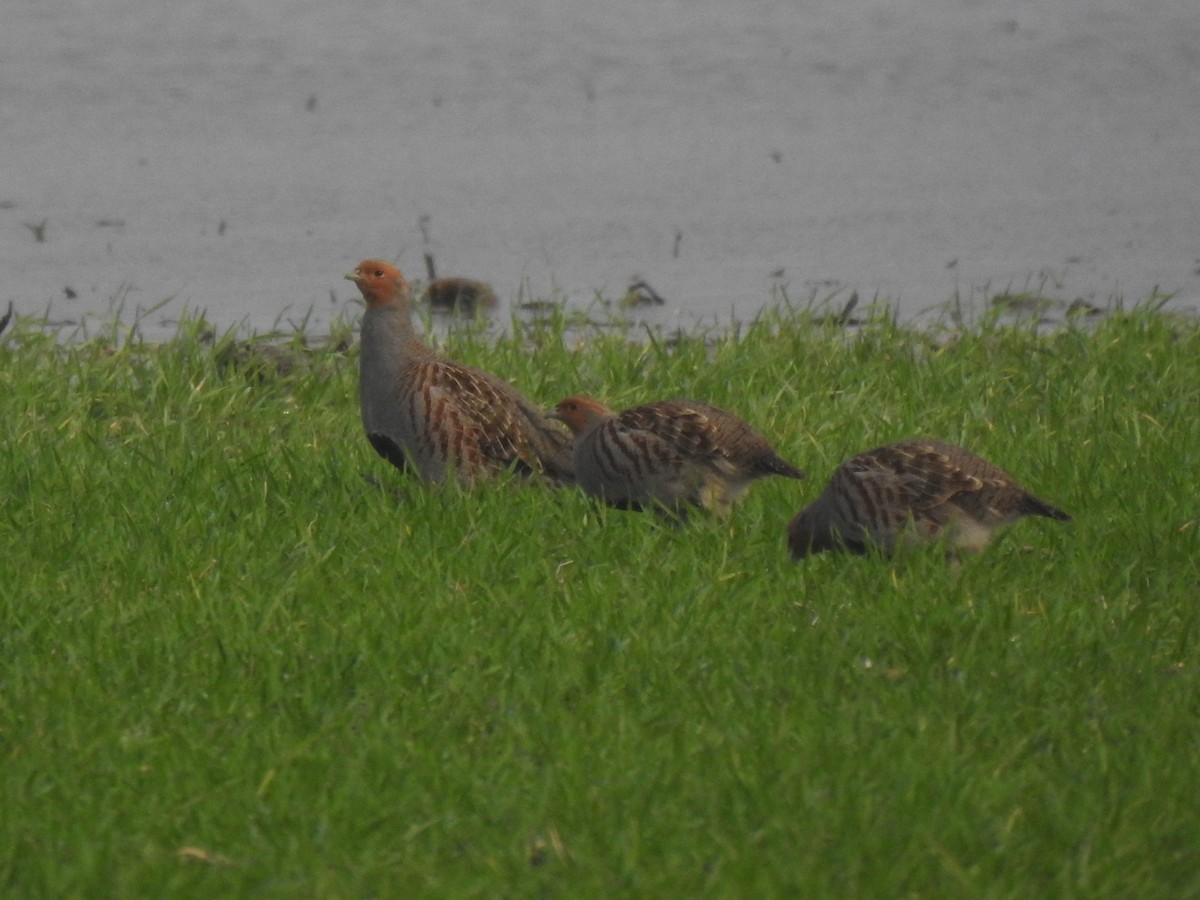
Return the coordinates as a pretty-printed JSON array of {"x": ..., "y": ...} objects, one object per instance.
[
  {"x": 668, "y": 455},
  {"x": 911, "y": 492},
  {"x": 435, "y": 414}
]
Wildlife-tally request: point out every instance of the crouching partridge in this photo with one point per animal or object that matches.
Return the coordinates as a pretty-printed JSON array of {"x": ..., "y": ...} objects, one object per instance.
[
  {"x": 911, "y": 492},
  {"x": 668, "y": 455},
  {"x": 435, "y": 414}
]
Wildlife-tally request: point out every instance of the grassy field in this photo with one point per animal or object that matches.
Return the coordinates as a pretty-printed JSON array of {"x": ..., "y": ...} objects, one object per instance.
[{"x": 231, "y": 666}]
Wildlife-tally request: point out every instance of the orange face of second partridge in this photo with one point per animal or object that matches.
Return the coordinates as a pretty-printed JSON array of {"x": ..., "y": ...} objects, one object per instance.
[{"x": 580, "y": 413}]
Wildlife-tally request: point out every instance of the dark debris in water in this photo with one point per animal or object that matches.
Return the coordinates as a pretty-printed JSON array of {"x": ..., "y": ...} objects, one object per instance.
[
  {"x": 845, "y": 317},
  {"x": 538, "y": 306},
  {"x": 1043, "y": 309},
  {"x": 1081, "y": 307},
  {"x": 640, "y": 293},
  {"x": 38, "y": 229}
]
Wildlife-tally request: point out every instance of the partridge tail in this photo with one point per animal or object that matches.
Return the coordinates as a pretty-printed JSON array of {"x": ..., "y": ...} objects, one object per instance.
[
  {"x": 776, "y": 465},
  {"x": 1035, "y": 507}
]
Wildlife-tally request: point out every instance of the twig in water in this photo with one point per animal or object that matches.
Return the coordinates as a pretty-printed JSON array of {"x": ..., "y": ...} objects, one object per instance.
[
  {"x": 640, "y": 293},
  {"x": 843, "y": 318}
]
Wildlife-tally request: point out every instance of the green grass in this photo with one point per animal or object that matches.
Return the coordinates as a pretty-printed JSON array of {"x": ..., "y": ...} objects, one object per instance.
[{"x": 229, "y": 666}]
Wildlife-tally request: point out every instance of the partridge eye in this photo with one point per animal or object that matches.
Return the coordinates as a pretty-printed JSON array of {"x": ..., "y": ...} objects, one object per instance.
[{"x": 379, "y": 273}]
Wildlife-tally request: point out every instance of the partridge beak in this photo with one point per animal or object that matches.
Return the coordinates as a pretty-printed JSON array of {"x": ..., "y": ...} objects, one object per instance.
[
  {"x": 553, "y": 413},
  {"x": 351, "y": 276}
]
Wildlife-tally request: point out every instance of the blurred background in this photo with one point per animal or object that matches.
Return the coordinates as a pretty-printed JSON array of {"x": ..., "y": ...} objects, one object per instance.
[{"x": 236, "y": 158}]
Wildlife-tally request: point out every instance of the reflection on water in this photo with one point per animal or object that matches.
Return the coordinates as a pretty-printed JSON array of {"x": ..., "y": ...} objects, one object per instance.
[{"x": 235, "y": 158}]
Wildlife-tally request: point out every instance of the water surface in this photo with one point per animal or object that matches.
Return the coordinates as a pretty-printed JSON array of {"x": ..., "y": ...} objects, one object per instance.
[{"x": 237, "y": 158}]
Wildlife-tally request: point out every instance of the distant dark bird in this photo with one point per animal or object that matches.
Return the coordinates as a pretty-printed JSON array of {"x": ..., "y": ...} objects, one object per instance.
[
  {"x": 464, "y": 295},
  {"x": 910, "y": 492}
]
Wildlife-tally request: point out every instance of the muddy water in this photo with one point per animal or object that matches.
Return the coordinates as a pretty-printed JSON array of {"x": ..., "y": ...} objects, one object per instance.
[{"x": 237, "y": 157}]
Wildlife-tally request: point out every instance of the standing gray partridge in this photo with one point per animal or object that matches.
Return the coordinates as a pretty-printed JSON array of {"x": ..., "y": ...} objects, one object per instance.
[
  {"x": 667, "y": 455},
  {"x": 438, "y": 415},
  {"x": 911, "y": 492}
]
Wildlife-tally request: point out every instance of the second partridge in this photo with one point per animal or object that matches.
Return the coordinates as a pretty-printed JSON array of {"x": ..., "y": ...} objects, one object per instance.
[{"x": 667, "y": 455}]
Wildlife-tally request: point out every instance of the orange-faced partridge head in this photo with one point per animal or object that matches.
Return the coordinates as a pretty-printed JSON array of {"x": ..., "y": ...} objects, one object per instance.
[
  {"x": 668, "y": 455},
  {"x": 912, "y": 492},
  {"x": 437, "y": 415}
]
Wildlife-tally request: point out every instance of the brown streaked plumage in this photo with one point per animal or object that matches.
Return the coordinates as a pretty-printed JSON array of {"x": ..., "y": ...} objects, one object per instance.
[
  {"x": 668, "y": 455},
  {"x": 910, "y": 492},
  {"x": 421, "y": 409}
]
